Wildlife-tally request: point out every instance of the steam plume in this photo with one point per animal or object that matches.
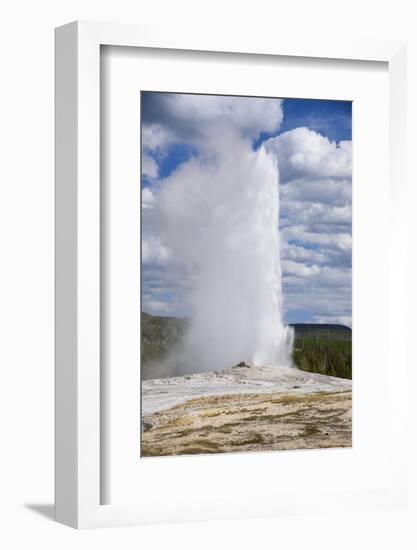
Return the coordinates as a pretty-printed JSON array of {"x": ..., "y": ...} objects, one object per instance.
[{"x": 219, "y": 216}]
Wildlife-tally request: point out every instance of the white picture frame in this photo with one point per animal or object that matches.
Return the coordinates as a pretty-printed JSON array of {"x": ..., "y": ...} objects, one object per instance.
[{"x": 78, "y": 406}]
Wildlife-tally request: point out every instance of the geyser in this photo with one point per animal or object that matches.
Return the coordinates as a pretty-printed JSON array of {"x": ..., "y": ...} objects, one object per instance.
[{"x": 219, "y": 215}]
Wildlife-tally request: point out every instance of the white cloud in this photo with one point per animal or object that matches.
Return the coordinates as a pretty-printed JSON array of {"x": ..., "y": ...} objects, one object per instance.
[
  {"x": 251, "y": 115},
  {"x": 295, "y": 272},
  {"x": 184, "y": 118},
  {"x": 301, "y": 254},
  {"x": 300, "y": 269},
  {"x": 149, "y": 167},
  {"x": 156, "y": 136},
  {"x": 305, "y": 153},
  {"x": 148, "y": 198},
  {"x": 153, "y": 252},
  {"x": 311, "y": 213},
  {"x": 318, "y": 297},
  {"x": 340, "y": 241},
  {"x": 336, "y": 192}
]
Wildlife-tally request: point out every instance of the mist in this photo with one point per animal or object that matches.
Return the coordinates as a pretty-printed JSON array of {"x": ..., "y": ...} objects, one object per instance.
[{"x": 218, "y": 214}]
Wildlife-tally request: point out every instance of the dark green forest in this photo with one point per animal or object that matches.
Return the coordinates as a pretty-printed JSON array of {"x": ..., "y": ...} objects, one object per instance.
[{"x": 325, "y": 349}]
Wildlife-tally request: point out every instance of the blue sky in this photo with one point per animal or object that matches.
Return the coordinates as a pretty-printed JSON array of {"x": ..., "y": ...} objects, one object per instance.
[
  {"x": 332, "y": 119},
  {"x": 311, "y": 140}
]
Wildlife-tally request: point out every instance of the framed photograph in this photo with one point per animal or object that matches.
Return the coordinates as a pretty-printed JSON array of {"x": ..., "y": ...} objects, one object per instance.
[
  {"x": 229, "y": 220},
  {"x": 246, "y": 274}
]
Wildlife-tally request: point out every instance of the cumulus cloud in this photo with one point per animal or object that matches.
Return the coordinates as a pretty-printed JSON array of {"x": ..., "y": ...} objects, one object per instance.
[
  {"x": 156, "y": 137},
  {"x": 295, "y": 272},
  {"x": 250, "y": 115},
  {"x": 301, "y": 254},
  {"x": 340, "y": 241},
  {"x": 304, "y": 153},
  {"x": 300, "y": 269},
  {"x": 183, "y": 118},
  {"x": 149, "y": 167},
  {"x": 316, "y": 218},
  {"x": 148, "y": 198},
  {"x": 316, "y": 299},
  {"x": 337, "y": 192},
  {"x": 153, "y": 252},
  {"x": 314, "y": 213}
]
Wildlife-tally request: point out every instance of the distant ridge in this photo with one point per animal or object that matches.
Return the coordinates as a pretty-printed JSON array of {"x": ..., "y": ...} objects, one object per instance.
[{"x": 300, "y": 327}]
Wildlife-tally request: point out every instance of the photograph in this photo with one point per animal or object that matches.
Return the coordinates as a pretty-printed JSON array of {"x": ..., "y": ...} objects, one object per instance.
[{"x": 246, "y": 274}]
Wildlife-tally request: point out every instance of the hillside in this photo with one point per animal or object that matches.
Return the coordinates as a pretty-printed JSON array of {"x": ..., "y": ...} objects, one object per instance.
[
  {"x": 328, "y": 330},
  {"x": 159, "y": 335}
]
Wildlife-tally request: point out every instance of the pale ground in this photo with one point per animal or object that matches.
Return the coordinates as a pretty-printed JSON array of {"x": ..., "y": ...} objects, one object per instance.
[{"x": 245, "y": 408}]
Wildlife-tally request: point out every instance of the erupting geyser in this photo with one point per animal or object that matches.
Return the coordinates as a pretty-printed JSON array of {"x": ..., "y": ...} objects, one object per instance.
[{"x": 219, "y": 215}]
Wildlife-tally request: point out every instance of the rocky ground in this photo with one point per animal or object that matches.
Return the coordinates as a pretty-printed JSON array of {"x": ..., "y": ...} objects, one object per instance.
[{"x": 245, "y": 408}]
